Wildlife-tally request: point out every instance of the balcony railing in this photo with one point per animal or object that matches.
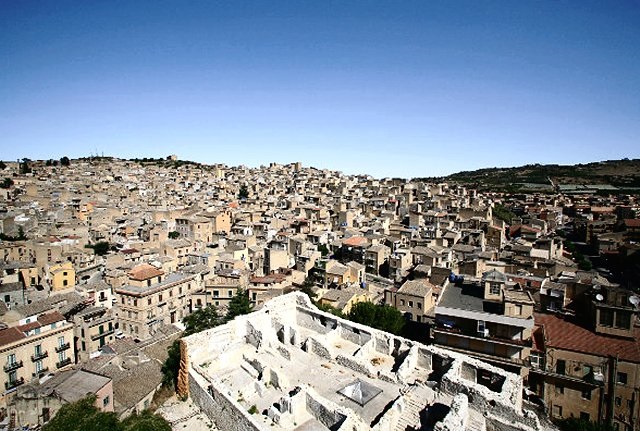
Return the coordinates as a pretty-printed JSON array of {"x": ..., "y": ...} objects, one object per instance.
[
  {"x": 62, "y": 347},
  {"x": 456, "y": 331},
  {"x": 12, "y": 366},
  {"x": 39, "y": 355},
  {"x": 14, "y": 383},
  {"x": 41, "y": 372},
  {"x": 591, "y": 378},
  {"x": 104, "y": 334},
  {"x": 63, "y": 363}
]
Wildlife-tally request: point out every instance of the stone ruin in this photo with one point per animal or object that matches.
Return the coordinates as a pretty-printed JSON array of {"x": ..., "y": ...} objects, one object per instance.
[{"x": 290, "y": 366}]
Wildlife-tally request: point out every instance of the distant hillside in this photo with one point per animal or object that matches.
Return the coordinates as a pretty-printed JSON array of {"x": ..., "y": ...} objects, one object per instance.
[{"x": 622, "y": 174}]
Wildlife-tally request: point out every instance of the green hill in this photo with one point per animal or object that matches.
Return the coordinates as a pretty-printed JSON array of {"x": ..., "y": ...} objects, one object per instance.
[{"x": 623, "y": 175}]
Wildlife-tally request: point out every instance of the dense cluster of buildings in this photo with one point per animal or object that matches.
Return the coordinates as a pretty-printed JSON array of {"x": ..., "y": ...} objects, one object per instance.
[{"x": 101, "y": 261}]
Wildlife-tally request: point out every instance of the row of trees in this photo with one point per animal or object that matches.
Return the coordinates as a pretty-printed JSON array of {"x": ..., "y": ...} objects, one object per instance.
[{"x": 198, "y": 321}]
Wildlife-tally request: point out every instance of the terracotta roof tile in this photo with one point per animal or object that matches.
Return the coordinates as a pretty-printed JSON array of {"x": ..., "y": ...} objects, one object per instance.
[
  {"x": 49, "y": 318},
  {"x": 566, "y": 335},
  {"x": 9, "y": 335},
  {"x": 144, "y": 272}
]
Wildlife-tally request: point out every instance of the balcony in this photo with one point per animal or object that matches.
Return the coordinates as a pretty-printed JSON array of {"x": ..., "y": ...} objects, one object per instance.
[
  {"x": 103, "y": 334},
  {"x": 40, "y": 373},
  {"x": 14, "y": 383},
  {"x": 590, "y": 379},
  {"x": 39, "y": 355},
  {"x": 12, "y": 366},
  {"x": 62, "y": 347},
  {"x": 475, "y": 335},
  {"x": 63, "y": 363}
]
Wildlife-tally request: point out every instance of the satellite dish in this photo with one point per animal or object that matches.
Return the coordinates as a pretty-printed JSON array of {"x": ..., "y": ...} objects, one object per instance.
[
  {"x": 635, "y": 300},
  {"x": 599, "y": 297}
]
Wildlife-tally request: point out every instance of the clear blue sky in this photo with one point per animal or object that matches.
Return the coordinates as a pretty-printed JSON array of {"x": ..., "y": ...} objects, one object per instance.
[{"x": 390, "y": 88}]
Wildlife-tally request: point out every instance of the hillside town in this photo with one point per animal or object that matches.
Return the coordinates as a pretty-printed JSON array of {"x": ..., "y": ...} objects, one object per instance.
[{"x": 101, "y": 259}]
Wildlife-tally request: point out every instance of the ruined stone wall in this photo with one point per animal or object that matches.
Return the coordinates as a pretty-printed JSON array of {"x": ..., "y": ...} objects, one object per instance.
[{"x": 226, "y": 413}]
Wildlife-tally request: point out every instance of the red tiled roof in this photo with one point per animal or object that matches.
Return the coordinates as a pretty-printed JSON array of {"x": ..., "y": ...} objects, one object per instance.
[
  {"x": 632, "y": 222},
  {"x": 28, "y": 326},
  {"x": 49, "y": 318},
  {"x": 9, "y": 335},
  {"x": 562, "y": 334},
  {"x": 355, "y": 241},
  {"x": 144, "y": 271}
]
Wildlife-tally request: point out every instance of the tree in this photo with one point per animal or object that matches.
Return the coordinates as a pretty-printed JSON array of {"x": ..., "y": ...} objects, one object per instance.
[
  {"x": 238, "y": 305},
  {"x": 382, "y": 317},
  {"x": 24, "y": 166},
  {"x": 307, "y": 289},
  {"x": 101, "y": 248},
  {"x": 82, "y": 415},
  {"x": 322, "y": 248},
  {"x": 6, "y": 183},
  {"x": 21, "y": 235},
  {"x": 3, "y": 166},
  {"x": 145, "y": 421},
  {"x": 174, "y": 234},
  {"x": 201, "y": 319},
  {"x": 244, "y": 192},
  {"x": 171, "y": 365},
  {"x": 64, "y": 161}
]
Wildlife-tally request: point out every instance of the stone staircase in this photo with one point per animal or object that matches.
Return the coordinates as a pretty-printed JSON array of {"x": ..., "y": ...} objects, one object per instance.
[
  {"x": 475, "y": 422},
  {"x": 415, "y": 400}
]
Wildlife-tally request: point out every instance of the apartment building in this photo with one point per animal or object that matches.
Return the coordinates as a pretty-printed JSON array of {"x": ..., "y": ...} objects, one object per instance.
[
  {"x": 38, "y": 345},
  {"x": 152, "y": 298},
  {"x": 414, "y": 299},
  {"x": 93, "y": 328},
  {"x": 490, "y": 320}
]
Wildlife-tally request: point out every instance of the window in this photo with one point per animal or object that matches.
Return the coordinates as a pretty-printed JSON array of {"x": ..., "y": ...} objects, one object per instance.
[
  {"x": 38, "y": 350},
  {"x": 618, "y": 401},
  {"x": 149, "y": 301},
  {"x": 135, "y": 302},
  {"x": 559, "y": 389},
  {"x": 410, "y": 303},
  {"x": 623, "y": 320},
  {"x": 557, "y": 411},
  {"x": 61, "y": 341},
  {"x": 105, "y": 402},
  {"x": 535, "y": 359},
  {"x": 585, "y": 416},
  {"x": 216, "y": 294},
  {"x": 560, "y": 366},
  {"x": 160, "y": 297},
  {"x": 606, "y": 317},
  {"x": 481, "y": 326},
  {"x": 419, "y": 305},
  {"x": 230, "y": 293},
  {"x": 494, "y": 288},
  {"x": 11, "y": 359},
  {"x": 402, "y": 302},
  {"x": 38, "y": 366},
  {"x": 65, "y": 282},
  {"x": 621, "y": 378},
  {"x": 517, "y": 310},
  {"x": 586, "y": 394}
]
